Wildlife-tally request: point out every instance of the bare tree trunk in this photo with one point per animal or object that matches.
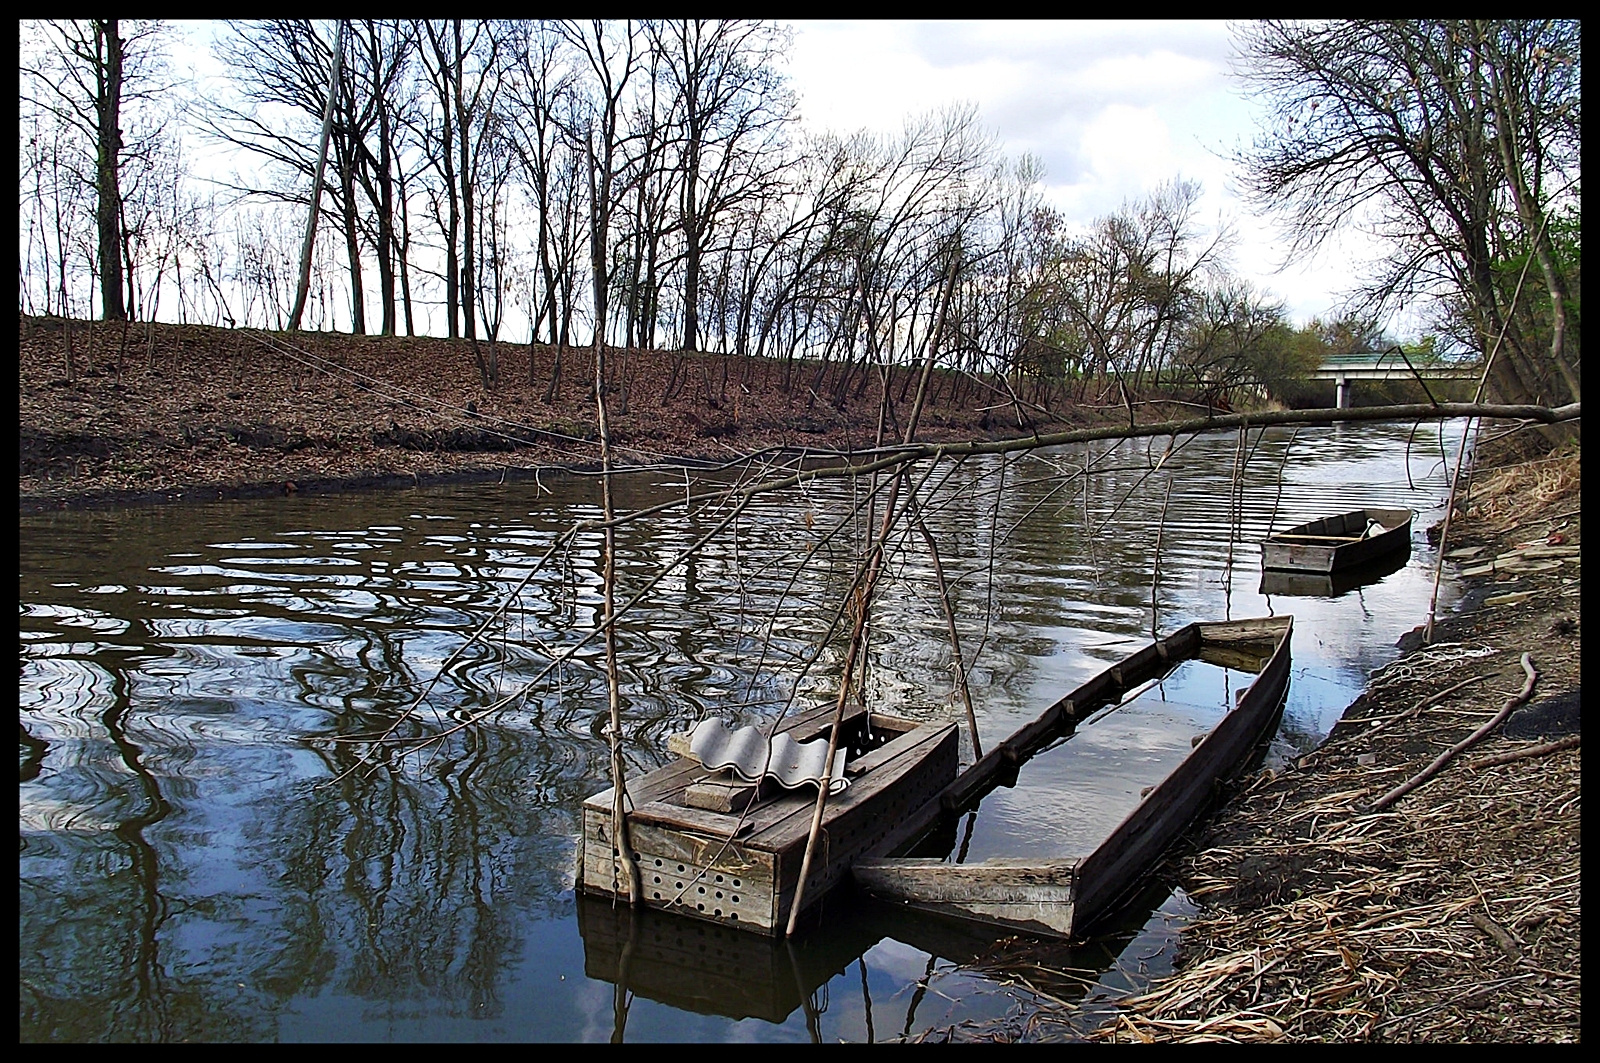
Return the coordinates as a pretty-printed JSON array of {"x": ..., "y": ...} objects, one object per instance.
[
  {"x": 358, "y": 299},
  {"x": 467, "y": 285},
  {"x": 304, "y": 285},
  {"x": 108, "y": 207}
]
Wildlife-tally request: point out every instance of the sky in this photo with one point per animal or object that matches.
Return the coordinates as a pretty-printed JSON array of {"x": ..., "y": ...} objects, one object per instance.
[{"x": 1111, "y": 108}]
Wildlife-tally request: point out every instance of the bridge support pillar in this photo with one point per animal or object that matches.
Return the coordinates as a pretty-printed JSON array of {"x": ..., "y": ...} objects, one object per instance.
[{"x": 1341, "y": 394}]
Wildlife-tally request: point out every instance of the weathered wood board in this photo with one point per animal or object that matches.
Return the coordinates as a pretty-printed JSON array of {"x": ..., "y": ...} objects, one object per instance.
[
  {"x": 741, "y": 866},
  {"x": 1033, "y": 896}
]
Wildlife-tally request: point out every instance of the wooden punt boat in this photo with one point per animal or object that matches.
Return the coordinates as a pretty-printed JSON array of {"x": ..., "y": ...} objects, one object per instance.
[
  {"x": 711, "y": 847},
  {"x": 1062, "y": 895},
  {"x": 1332, "y": 584},
  {"x": 1345, "y": 540}
]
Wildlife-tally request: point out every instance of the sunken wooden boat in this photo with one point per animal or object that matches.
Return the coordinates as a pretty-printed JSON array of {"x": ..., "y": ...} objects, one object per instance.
[
  {"x": 1343, "y": 541},
  {"x": 1061, "y": 895},
  {"x": 714, "y": 845}
]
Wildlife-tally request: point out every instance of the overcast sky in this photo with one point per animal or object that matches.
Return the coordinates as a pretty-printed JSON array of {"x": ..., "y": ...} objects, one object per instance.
[{"x": 1112, "y": 109}]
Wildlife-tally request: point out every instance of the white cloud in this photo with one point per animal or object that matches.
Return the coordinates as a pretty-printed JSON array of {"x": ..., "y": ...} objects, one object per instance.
[
  {"x": 1112, "y": 109},
  {"x": 1126, "y": 152}
]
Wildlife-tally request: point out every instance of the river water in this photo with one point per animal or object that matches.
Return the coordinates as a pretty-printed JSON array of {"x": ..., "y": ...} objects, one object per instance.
[{"x": 212, "y": 847}]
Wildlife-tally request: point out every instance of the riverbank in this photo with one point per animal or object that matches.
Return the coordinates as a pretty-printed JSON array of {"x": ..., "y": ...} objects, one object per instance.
[
  {"x": 143, "y": 413},
  {"x": 1333, "y": 910}
]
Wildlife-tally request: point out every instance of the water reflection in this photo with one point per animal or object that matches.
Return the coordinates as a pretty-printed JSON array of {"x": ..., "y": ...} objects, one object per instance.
[
  {"x": 212, "y": 847},
  {"x": 807, "y": 983}
]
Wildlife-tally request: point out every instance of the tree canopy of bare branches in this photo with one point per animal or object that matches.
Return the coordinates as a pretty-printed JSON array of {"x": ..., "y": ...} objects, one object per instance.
[
  {"x": 464, "y": 185},
  {"x": 1457, "y": 143}
]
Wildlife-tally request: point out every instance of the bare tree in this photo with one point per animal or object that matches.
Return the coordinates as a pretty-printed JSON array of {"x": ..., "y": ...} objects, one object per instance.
[
  {"x": 282, "y": 70},
  {"x": 86, "y": 72},
  {"x": 538, "y": 84},
  {"x": 463, "y": 67},
  {"x": 58, "y": 198},
  {"x": 730, "y": 106},
  {"x": 1451, "y": 140},
  {"x": 380, "y": 63},
  {"x": 316, "y": 200}
]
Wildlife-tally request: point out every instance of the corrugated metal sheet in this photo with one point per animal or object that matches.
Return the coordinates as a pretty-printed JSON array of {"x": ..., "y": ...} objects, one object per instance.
[{"x": 747, "y": 751}]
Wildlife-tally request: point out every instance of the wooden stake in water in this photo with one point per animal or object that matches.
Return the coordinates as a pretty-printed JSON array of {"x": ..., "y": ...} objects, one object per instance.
[{"x": 1155, "y": 578}]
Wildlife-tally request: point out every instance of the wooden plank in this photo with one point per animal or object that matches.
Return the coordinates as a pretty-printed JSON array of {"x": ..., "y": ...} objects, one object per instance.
[
  {"x": 1000, "y": 879},
  {"x": 652, "y": 786},
  {"x": 673, "y": 847},
  {"x": 679, "y": 870},
  {"x": 1297, "y": 558},
  {"x": 1283, "y": 536},
  {"x": 758, "y": 818},
  {"x": 813, "y": 723},
  {"x": 682, "y": 817},
  {"x": 668, "y": 844},
  {"x": 1257, "y": 629},
  {"x": 912, "y": 734},
  {"x": 1242, "y": 656},
  {"x": 1030, "y": 895},
  {"x": 876, "y": 816},
  {"x": 729, "y": 794},
  {"x": 886, "y": 764},
  {"x": 1027, "y": 739}
]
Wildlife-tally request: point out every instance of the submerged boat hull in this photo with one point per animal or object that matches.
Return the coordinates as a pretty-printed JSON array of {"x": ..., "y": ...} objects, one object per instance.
[
  {"x": 1338, "y": 543},
  {"x": 1063, "y": 895}
]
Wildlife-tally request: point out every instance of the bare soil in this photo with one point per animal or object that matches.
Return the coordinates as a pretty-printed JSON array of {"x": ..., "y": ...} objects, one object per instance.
[{"x": 113, "y": 413}]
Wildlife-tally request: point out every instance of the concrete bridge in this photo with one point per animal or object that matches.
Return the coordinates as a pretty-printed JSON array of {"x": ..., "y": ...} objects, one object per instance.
[{"x": 1390, "y": 365}]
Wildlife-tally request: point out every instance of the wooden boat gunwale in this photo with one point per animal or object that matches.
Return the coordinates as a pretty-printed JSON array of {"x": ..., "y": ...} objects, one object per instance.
[
  {"x": 1334, "y": 543},
  {"x": 1061, "y": 897}
]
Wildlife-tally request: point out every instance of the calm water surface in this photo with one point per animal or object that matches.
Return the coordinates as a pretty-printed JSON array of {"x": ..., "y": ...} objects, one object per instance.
[{"x": 213, "y": 849}]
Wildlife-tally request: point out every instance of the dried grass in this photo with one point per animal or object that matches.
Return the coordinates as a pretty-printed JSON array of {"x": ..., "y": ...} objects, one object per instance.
[
  {"x": 1504, "y": 495},
  {"x": 1399, "y": 926}
]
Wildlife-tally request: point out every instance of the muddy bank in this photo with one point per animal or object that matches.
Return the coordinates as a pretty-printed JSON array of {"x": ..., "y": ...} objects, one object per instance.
[{"x": 112, "y": 413}]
